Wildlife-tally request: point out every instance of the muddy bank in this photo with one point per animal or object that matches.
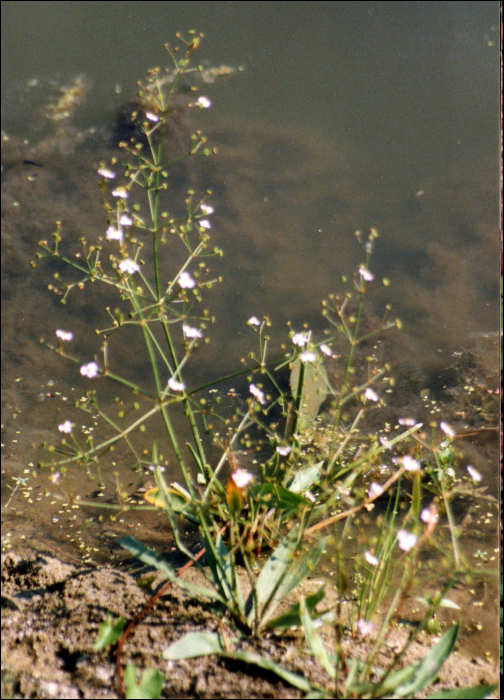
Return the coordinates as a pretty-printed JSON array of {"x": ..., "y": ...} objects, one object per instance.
[{"x": 52, "y": 610}]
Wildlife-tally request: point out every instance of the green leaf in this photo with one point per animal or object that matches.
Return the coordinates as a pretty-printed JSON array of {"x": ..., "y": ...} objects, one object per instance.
[
  {"x": 305, "y": 478},
  {"x": 149, "y": 687},
  {"x": 292, "y": 618},
  {"x": 293, "y": 678},
  {"x": 473, "y": 693},
  {"x": 151, "y": 558},
  {"x": 287, "y": 500},
  {"x": 223, "y": 571},
  {"x": 109, "y": 632},
  {"x": 315, "y": 389},
  {"x": 195, "y": 644},
  {"x": 315, "y": 643},
  {"x": 443, "y": 603},
  {"x": 281, "y": 573},
  {"x": 427, "y": 669}
]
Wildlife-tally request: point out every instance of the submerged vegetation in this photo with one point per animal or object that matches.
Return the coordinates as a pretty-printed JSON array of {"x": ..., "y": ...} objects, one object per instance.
[{"x": 257, "y": 528}]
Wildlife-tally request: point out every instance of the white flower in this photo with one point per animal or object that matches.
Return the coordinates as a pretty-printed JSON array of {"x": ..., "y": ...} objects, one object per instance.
[
  {"x": 309, "y": 495},
  {"x": 108, "y": 174},
  {"x": 64, "y": 335},
  {"x": 54, "y": 479},
  {"x": 90, "y": 370},
  {"x": 255, "y": 391},
  {"x": 125, "y": 220},
  {"x": 300, "y": 339},
  {"x": 254, "y": 321},
  {"x": 283, "y": 450},
  {"x": 206, "y": 209},
  {"x": 365, "y": 627},
  {"x": 371, "y": 395},
  {"x": 114, "y": 234},
  {"x": 203, "y": 102},
  {"x": 430, "y": 515},
  {"x": 175, "y": 385},
  {"x": 129, "y": 266},
  {"x": 386, "y": 443},
  {"x": 190, "y": 332},
  {"x": 406, "y": 421},
  {"x": 375, "y": 490},
  {"x": 371, "y": 559},
  {"x": 186, "y": 281},
  {"x": 152, "y": 117},
  {"x": 447, "y": 429},
  {"x": 410, "y": 464},
  {"x": 66, "y": 427},
  {"x": 365, "y": 274},
  {"x": 120, "y": 192},
  {"x": 204, "y": 223},
  {"x": 474, "y": 473},
  {"x": 325, "y": 349},
  {"x": 406, "y": 540},
  {"x": 307, "y": 357},
  {"x": 242, "y": 478}
]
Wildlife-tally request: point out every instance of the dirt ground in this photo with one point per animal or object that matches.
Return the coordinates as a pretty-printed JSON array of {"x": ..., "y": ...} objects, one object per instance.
[{"x": 51, "y": 611}]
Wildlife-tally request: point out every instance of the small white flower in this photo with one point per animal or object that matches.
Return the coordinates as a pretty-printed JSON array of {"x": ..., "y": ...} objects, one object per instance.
[
  {"x": 204, "y": 223},
  {"x": 407, "y": 421},
  {"x": 242, "y": 478},
  {"x": 106, "y": 173},
  {"x": 365, "y": 274},
  {"x": 203, "y": 102},
  {"x": 190, "y": 332},
  {"x": 54, "y": 479},
  {"x": 120, "y": 192},
  {"x": 365, "y": 627},
  {"x": 325, "y": 349},
  {"x": 175, "y": 385},
  {"x": 186, "y": 281},
  {"x": 447, "y": 429},
  {"x": 309, "y": 495},
  {"x": 371, "y": 395},
  {"x": 254, "y": 321},
  {"x": 386, "y": 443},
  {"x": 307, "y": 356},
  {"x": 406, "y": 540},
  {"x": 255, "y": 391},
  {"x": 371, "y": 559},
  {"x": 474, "y": 473},
  {"x": 125, "y": 220},
  {"x": 90, "y": 370},
  {"x": 410, "y": 464},
  {"x": 152, "y": 117},
  {"x": 429, "y": 515},
  {"x": 300, "y": 339},
  {"x": 129, "y": 266},
  {"x": 64, "y": 335},
  {"x": 66, "y": 427},
  {"x": 283, "y": 450},
  {"x": 114, "y": 233},
  {"x": 206, "y": 209},
  {"x": 375, "y": 490}
]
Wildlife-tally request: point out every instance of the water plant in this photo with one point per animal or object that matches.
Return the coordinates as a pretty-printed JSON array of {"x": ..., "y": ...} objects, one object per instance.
[{"x": 293, "y": 493}]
